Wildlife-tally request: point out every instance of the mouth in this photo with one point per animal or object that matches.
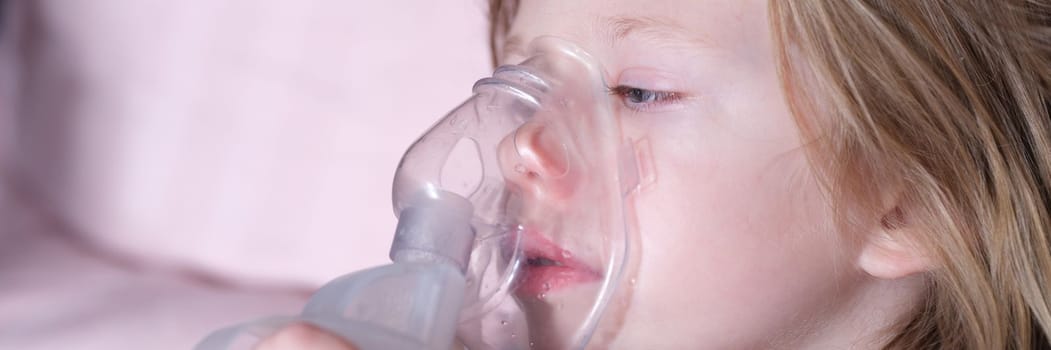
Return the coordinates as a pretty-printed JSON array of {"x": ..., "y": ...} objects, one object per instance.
[{"x": 549, "y": 268}]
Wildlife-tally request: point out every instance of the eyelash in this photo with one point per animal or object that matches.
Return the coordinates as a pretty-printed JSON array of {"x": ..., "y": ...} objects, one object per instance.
[{"x": 643, "y": 100}]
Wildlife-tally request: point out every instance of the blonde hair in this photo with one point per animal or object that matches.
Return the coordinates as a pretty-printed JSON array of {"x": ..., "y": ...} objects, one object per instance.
[{"x": 944, "y": 105}]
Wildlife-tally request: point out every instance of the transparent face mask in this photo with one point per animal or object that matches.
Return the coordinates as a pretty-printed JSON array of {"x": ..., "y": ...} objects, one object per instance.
[{"x": 540, "y": 155}]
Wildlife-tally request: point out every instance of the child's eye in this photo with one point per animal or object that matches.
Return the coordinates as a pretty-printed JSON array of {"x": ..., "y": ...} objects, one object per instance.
[{"x": 638, "y": 99}]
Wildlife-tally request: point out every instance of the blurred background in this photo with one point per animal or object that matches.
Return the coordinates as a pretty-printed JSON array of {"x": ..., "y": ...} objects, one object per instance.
[{"x": 170, "y": 167}]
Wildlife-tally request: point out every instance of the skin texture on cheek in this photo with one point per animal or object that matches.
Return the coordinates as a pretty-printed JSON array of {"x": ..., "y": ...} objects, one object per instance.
[{"x": 731, "y": 254}]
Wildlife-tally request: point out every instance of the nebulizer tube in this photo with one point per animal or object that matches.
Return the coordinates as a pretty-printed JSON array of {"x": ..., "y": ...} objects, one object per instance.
[{"x": 512, "y": 230}]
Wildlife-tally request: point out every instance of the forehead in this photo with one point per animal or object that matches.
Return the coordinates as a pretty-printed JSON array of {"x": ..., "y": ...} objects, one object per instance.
[{"x": 600, "y": 24}]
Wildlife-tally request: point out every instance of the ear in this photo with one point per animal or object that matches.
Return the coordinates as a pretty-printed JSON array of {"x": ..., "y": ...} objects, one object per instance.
[{"x": 888, "y": 252}]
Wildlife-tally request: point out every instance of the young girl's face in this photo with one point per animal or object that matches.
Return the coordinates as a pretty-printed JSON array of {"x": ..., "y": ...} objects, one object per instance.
[{"x": 735, "y": 248}]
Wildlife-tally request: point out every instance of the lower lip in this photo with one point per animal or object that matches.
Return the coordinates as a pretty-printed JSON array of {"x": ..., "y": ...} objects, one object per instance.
[{"x": 537, "y": 281}]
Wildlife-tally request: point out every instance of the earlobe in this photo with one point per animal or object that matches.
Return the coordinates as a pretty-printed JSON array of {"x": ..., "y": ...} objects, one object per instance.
[{"x": 887, "y": 253}]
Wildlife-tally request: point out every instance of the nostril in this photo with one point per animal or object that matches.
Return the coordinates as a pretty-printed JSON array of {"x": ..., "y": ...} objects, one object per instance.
[
  {"x": 526, "y": 172},
  {"x": 522, "y": 169}
]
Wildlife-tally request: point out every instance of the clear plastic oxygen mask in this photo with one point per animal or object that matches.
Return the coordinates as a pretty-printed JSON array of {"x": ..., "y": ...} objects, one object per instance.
[
  {"x": 539, "y": 153},
  {"x": 518, "y": 197}
]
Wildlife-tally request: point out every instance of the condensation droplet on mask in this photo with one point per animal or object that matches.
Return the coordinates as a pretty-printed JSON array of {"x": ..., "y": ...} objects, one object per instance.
[
  {"x": 547, "y": 286},
  {"x": 566, "y": 254},
  {"x": 503, "y": 322},
  {"x": 521, "y": 169},
  {"x": 541, "y": 296},
  {"x": 565, "y": 103},
  {"x": 457, "y": 122},
  {"x": 632, "y": 281}
]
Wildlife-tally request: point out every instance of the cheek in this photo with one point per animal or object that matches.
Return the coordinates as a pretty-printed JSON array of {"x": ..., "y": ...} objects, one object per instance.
[{"x": 735, "y": 238}]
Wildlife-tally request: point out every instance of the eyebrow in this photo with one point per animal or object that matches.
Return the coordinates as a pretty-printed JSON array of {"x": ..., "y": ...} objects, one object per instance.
[
  {"x": 617, "y": 29},
  {"x": 620, "y": 28}
]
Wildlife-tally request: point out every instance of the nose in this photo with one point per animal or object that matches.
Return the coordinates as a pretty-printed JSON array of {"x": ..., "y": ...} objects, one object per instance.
[{"x": 535, "y": 158}]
